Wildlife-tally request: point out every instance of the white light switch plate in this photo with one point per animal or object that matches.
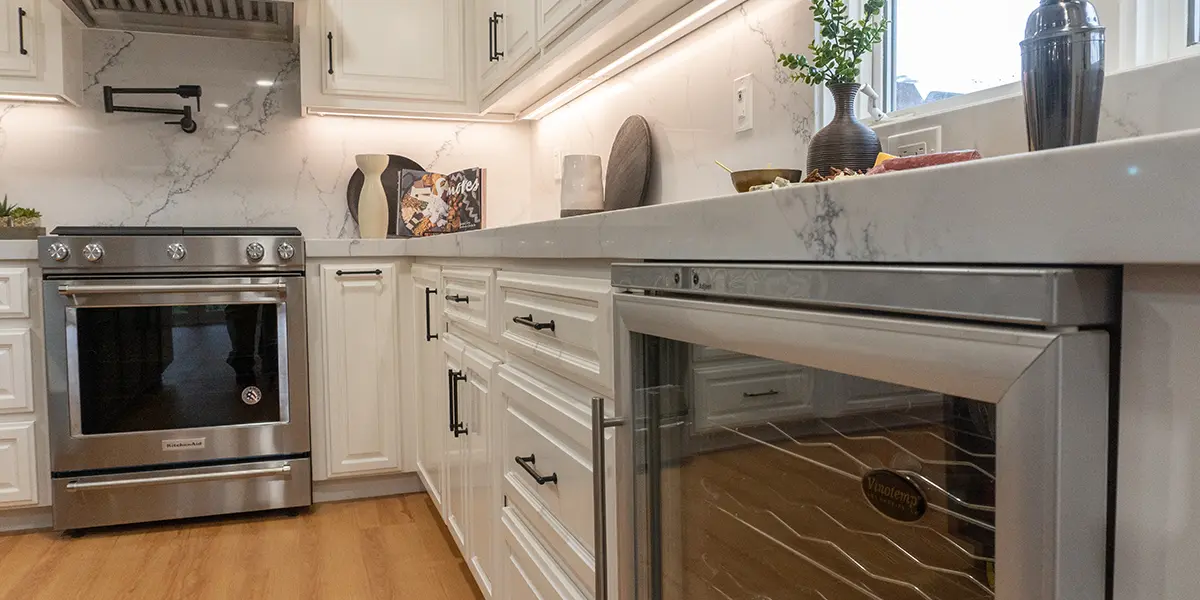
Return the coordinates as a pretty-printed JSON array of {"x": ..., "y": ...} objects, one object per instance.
[
  {"x": 915, "y": 143},
  {"x": 743, "y": 103},
  {"x": 558, "y": 165}
]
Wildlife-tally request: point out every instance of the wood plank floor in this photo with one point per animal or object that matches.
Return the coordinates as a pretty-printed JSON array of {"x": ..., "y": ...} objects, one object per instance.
[{"x": 383, "y": 548}]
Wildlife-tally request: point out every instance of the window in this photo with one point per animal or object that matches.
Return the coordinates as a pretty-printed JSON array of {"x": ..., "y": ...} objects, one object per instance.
[{"x": 928, "y": 58}]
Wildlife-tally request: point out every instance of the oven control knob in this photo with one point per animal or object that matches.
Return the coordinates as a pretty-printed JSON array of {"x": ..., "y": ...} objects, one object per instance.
[
  {"x": 176, "y": 251},
  {"x": 252, "y": 395},
  {"x": 286, "y": 251},
  {"x": 93, "y": 252},
  {"x": 58, "y": 251},
  {"x": 255, "y": 252}
]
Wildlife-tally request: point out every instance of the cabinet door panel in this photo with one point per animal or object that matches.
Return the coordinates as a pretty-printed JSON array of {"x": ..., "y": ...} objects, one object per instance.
[
  {"x": 16, "y": 371},
  {"x": 430, "y": 386},
  {"x": 520, "y": 33},
  {"x": 18, "y": 464},
  {"x": 361, "y": 369},
  {"x": 482, "y": 475},
  {"x": 454, "y": 497},
  {"x": 556, "y": 16},
  {"x": 404, "y": 49},
  {"x": 18, "y": 29}
]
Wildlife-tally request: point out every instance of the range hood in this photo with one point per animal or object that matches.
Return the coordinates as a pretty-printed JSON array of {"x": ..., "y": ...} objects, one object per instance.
[{"x": 246, "y": 19}]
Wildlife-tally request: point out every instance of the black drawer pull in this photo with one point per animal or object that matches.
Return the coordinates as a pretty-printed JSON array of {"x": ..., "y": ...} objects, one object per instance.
[
  {"x": 429, "y": 334},
  {"x": 529, "y": 322},
  {"x": 376, "y": 272},
  {"x": 496, "y": 18},
  {"x": 456, "y": 424},
  {"x": 527, "y": 463},
  {"x": 21, "y": 29},
  {"x": 330, "y": 52},
  {"x": 458, "y": 299},
  {"x": 760, "y": 394}
]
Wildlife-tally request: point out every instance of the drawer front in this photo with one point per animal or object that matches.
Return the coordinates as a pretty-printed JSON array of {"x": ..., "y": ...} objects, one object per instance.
[
  {"x": 529, "y": 570},
  {"x": 561, "y": 323},
  {"x": 467, "y": 300},
  {"x": 749, "y": 392},
  {"x": 14, "y": 293}
]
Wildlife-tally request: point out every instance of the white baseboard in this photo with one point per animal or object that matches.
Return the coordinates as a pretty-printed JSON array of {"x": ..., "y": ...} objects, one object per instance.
[
  {"x": 336, "y": 490},
  {"x": 26, "y": 519}
]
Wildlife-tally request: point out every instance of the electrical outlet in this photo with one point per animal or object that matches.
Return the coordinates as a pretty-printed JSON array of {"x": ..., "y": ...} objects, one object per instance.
[
  {"x": 558, "y": 165},
  {"x": 743, "y": 103},
  {"x": 915, "y": 143}
]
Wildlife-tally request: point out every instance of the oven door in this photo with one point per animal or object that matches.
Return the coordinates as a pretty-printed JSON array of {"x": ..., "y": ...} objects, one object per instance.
[
  {"x": 160, "y": 371},
  {"x": 780, "y": 453}
]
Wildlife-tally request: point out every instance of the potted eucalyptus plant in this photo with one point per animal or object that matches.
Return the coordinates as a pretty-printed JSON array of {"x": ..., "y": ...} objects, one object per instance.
[{"x": 837, "y": 63}]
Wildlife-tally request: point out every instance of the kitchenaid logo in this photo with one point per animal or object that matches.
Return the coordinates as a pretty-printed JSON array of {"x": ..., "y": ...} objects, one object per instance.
[
  {"x": 187, "y": 444},
  {"x": 894, "y": 495}
]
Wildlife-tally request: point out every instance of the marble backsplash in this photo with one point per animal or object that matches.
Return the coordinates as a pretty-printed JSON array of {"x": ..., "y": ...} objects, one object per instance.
[
  {"x": 686, "y": 92},
  {"x": 254, "y": 160}
]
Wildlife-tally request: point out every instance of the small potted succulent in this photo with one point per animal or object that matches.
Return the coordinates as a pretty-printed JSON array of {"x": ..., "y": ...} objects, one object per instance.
[
  {"x": 837, "y": 63},
  {"x": 13, "y": 217}
]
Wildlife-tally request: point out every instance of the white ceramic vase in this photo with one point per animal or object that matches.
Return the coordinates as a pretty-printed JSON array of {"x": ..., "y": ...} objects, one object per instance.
[
  {"x": 372, "y": 200},
  {"x": 582, "y": 185}
]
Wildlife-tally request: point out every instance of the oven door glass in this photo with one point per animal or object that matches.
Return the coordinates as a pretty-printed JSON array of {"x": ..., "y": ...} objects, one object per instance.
[
  {"x": 172, "y": 367},
  {"x": 767, "y": 479}
]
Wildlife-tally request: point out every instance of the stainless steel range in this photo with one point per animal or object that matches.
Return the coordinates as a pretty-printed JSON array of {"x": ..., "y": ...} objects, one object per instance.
[{"x": 177, "y": 369}]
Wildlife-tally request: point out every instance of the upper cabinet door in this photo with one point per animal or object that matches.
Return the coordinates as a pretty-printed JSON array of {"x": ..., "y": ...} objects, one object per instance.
[
  {"x": 519, "y": 33},
  {"x": 18, "y": 31},
  {"x": 361, "y": 364},
  {"x": 556, "y": 16},
  {"x": 399, "y": 49}
]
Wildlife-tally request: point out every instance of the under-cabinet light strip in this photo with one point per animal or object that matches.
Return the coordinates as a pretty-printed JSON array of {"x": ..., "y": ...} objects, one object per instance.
[
  {"x": 538, "y": 111},
  {"x": 30, "y": 98},
  {"x": 317, "y": 112}
]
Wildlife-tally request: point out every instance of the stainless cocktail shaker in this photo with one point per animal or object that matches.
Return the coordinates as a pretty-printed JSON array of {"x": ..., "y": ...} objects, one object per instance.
[{"x": 1063, "y": 74}]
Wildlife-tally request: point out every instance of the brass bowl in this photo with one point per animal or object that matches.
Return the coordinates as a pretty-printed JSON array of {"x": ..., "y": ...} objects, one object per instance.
[{"x": 744, "y": 180}]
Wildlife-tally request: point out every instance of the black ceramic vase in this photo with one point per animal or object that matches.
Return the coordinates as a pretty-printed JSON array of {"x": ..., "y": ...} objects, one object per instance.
[{"x": 845, "y": 143}]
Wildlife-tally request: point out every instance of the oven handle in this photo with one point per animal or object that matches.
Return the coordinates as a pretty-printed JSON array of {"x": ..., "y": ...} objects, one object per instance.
[
  {"x": 200, "y": 288},
  {"x": 78, "y": 486}
]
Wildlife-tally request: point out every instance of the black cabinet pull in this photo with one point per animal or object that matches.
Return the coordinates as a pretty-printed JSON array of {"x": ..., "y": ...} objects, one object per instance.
[
  {"x": 375, "y": 272},
  {"x": 330, "y": 36},
  {"x": 456, "y": 424},
  {"x": 21, "y": 29},
  {"x": 528, "y": 462},
  {"x": 429, "y": 334},
  {"x": 450, "y": 398},
  {"x": 496, "y": 18},
  {"x": 760, "y": 394},
  {"x": 458, "y": 299},
  {"x": 492, "y": 39},
  {"x": 529, "y": 322}
]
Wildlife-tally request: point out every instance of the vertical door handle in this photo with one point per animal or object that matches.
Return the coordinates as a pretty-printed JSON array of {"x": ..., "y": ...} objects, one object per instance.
[
  {"x": 496, "y": 18},
  {"x": 429, "y": 334},
  {"x": 492, "y": 39},
  {"x": 21, "y": 29},
  {"x": 600, "y": 494},
  {"x": 456, "y": 425},
  {"x": 330, "y": 38}
]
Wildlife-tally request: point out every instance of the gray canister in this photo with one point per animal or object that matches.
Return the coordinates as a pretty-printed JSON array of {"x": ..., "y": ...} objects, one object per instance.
[{"x": 1063, "y": 74}]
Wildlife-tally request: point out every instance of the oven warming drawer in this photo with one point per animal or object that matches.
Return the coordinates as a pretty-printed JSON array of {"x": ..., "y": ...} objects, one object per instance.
[{"x": 100, "y": 500}]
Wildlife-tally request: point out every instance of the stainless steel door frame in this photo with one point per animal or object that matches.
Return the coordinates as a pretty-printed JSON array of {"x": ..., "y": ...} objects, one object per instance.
[
  {"x": 1050, "y": 388},
  {"x": 73, "y": 451}
]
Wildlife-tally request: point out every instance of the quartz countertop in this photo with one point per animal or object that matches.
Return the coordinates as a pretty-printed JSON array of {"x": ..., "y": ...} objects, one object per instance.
[
  {"x": 1134, "y": 201},
  {"x": 18, "y": 250}
]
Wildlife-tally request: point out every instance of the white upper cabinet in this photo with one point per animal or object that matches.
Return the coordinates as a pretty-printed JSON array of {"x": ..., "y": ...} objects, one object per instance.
[
  {"x": 360, "y": 368},
  {"x": 556, "y": 16},
  {"x": 386, "y": 56},
  {"x": 41, "y": 54},
  {"x": 18, "y": 36},
  {"x": 508, "y": 27}
]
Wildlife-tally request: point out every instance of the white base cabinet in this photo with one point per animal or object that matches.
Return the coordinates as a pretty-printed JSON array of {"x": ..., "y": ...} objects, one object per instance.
[
  {"x": 355, "y": 369},
  {"x": 18, "y": 464},
  {"x": 428, "y": 384}
]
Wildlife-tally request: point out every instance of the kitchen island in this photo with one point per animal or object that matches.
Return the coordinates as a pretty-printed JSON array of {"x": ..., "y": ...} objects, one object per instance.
[{"x": 1133, "y": 203}]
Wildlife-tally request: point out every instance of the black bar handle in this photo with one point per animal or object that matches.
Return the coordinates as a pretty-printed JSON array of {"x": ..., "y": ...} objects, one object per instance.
[
  {"x": 450, "y": 397},
  {"x": 458, "y": 427},
  {"x": 21, "y": 29},
  {"x": 375, "y": 272},
  {"x": 458, "y": 299},
  {"x": 492, "y": 39},
  {"x": 429, "y": 334},
  {"x": 529, "y": 322},
  {"x": 330, "y": 37},
  {"x": 496, "y": 18},
  {"x": 528, "y": 462},
  {"x": 760, "y": 394}
]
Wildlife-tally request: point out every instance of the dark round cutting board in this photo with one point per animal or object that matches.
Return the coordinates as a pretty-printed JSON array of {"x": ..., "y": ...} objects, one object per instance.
[
  {"x": 391, "y": 188},
  {"x": 629, "y": 166}
]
